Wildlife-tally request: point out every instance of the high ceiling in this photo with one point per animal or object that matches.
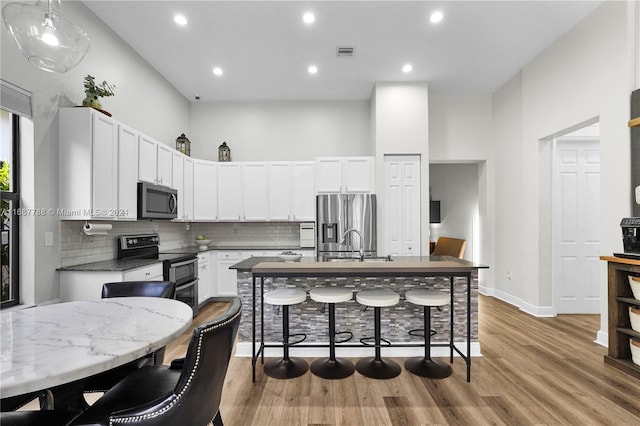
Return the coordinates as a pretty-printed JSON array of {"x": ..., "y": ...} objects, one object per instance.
[{"x": 264, "y": 48}]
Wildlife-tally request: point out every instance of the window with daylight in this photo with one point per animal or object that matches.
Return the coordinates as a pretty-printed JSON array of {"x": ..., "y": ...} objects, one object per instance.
[{"x": 9, "y": 185}]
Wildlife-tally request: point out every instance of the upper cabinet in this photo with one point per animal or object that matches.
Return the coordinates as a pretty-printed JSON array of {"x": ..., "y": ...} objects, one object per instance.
[
  {"x": 127, "y": 173},
  {"x": 205, "y": 178},
  {"x": 280, "y": 192},
  {"x": 345, "y": 174},
  {"x": 154, "y": 161},
  {"x": 254, "y": 191},
  {"x": 88, "y": 165},
  {"x": 303, "y": 198},
  {"x": 229, "y": 195}
]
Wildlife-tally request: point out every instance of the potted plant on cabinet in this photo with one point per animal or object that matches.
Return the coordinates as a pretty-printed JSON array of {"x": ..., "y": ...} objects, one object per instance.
[{"x": 94, "y": 91}]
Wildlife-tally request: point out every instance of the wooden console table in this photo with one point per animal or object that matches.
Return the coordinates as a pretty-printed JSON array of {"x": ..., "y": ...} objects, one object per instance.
[{"x": 620, "y": 298}]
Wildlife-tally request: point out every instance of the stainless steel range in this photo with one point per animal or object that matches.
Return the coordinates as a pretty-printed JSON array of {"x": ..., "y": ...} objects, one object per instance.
[{"x": 179, "y": 268}]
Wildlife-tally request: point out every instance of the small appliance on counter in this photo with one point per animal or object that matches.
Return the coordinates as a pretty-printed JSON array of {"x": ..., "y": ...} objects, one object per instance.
[
  {"x": 307, "y": 235},
  {"x": 630, "y": 238},
  {"x": 181, "y": 269}
]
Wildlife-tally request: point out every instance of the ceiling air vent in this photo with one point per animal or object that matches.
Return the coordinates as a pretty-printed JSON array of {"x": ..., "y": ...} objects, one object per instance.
[{"x": 344, "y": 51}]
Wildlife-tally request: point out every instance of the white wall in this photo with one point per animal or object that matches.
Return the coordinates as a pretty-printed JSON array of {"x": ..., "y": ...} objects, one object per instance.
[
  {"x": 400, "y": 117},
  {"x": 586, "y": 74},
  {"x": 143, "y": 100},
  {"x": 280, "y": 130}
]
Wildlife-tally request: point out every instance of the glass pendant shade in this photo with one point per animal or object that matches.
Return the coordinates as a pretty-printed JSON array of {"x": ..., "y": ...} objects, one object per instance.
[{"x": 44, "y": 36}]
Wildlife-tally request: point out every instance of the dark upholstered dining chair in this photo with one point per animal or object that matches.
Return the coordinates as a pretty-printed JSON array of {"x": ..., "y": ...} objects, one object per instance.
[
  {"x": 187, "y": 393},
  {"x": 165, "y": 289}
]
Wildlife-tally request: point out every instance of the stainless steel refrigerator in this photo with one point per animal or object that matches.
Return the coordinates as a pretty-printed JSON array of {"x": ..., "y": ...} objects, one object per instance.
[{"x": 338, "y": 213}]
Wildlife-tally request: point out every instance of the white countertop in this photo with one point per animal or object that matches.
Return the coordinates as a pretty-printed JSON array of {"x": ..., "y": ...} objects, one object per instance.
[{"x": 55, "y": 344}]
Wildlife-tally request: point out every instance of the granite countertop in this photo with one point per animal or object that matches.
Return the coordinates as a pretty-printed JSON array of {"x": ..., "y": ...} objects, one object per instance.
[
  {"x": 311, "y": 264},
  {"x": 111, "y": 265}
]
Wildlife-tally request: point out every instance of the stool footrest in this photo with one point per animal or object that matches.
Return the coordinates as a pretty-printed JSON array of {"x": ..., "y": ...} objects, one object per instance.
[
  {"x": 419, "y": 332},
  {"x": 365, "y": 341},
  {"x": 344, "y": 340},
  {"x": 289, "y": 343}
]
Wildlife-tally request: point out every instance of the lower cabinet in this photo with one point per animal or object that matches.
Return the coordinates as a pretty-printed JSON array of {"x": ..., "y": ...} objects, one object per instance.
[
  {"x": 226, "y": 279},
  {"x": 205, "y": 277},
  {"x": 87, "y": 285}
]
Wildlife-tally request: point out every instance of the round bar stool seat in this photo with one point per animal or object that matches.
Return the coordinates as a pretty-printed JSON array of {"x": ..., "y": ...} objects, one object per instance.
[
  {"x": 285, "y": 367},
  {"x": 332, "y": 367},
  {"x": 427, "y": 367},
  {"x": 376, "y": 367}
]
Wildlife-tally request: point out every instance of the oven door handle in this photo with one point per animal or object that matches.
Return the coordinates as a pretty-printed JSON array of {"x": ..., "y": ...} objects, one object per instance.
[
  {"x": 185, "y": 262},
  {"x": 187, "y": 285}
]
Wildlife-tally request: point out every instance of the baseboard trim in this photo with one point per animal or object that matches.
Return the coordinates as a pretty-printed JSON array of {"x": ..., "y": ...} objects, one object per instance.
[
  {"x": 602, "y": 338},
  {"x": 536, "y": 311},
  {"x": 243, "y": 349}
]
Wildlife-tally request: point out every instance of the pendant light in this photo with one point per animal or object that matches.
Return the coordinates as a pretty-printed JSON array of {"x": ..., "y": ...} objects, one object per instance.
[{"x": 44, "y": 36}]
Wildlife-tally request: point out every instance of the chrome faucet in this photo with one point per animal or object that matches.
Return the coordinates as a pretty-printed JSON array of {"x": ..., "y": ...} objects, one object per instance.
[{"x": 344, "y": 241}]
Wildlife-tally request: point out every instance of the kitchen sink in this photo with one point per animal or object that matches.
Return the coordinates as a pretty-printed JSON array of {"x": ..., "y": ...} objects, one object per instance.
[{"x": 357, "y": 259}]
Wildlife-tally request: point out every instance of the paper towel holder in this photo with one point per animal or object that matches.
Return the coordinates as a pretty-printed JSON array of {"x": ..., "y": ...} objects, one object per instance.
[{"x": 96, "y": 228}]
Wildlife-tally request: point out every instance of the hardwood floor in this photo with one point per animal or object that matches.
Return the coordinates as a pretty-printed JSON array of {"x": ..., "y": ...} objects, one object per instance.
[{"x": 533, "y": 371}]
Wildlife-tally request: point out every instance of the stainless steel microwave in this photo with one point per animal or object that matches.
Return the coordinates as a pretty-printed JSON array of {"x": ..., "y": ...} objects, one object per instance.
[{"x": 156, "y": 201}]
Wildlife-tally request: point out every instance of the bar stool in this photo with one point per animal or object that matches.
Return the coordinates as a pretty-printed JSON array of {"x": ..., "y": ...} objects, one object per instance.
[
  {"x": 427, "y": 367},
  {"x": 286, "y": 367},
  {"x": 376, "y": 367},
  {"x": 332, "y": 367}
]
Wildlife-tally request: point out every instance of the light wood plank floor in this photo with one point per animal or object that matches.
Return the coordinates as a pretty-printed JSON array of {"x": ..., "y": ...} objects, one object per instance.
[{"x": 533, "y": 371}]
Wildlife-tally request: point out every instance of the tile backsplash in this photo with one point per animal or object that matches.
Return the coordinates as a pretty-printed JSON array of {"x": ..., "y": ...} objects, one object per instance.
[{"x": 76, "y": 247}]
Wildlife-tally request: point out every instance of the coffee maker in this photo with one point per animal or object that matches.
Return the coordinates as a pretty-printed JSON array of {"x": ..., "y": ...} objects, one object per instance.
[{"x": 630, "y": 237}]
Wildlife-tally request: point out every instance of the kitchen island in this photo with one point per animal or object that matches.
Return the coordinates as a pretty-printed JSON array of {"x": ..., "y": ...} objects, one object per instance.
[{"x": 260, "y": 274}]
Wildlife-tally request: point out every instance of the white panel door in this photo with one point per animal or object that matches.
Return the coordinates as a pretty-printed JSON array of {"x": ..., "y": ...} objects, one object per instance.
[
  {"x": 127, "y": 173},
  {"x": 105, "y": 167},
  {"x": 280, "y": 191},
  {"x": 254, "y": 191},
  {"x": 229, "y": 191},
  {"x": 402, "y": 205},
  {"x": 576, "y": 208}
]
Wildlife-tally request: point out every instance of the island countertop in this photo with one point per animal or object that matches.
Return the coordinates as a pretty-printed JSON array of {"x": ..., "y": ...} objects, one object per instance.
[{"x": 273, "y": 266}]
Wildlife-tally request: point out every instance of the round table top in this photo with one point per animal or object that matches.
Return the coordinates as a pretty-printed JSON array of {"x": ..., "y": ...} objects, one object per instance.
[{"x": 50, "y": 345}]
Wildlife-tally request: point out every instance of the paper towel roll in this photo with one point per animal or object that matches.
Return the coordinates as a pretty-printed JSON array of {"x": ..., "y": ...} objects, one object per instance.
[{"x": 97, "y": 228}]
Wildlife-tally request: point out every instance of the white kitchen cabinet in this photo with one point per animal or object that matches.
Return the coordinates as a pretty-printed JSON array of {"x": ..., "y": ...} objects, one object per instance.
[
  {"x": 204, "y": 190},
  {"x": 280, "y": 187},
  {"x": 254, "y": 191},
  {"x": 88, "y": 165},
  {"x": 87, "y": 285},
  {"x": 303, "y": 199},
  {"x": 226, "y": 279},
  {"x": 229, "y": 191},
  {"x": 205, "y": 278},
  {"x": 345, "y": 174},
  {"x": 154, "y": 161},
  {"x": 187, "y": 194},
  {"x": 127, "y": 173},
  {"x": 182, "y": 179}
]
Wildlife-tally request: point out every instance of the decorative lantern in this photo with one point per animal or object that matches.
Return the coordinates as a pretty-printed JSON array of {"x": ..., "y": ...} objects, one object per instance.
[
  {"x": 183, "y": 144},
  {"x": 224, "y": 152}
]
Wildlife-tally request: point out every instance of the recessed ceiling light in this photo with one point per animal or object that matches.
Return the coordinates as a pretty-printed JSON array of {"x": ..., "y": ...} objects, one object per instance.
[
  {"x": 217, "y": 71},
  {"x": 407, "y": 68},
  {"x": 180, "y": 20},
  {"x": 436, "y": 17},
  {"x": 312, "y": 69},
  {"x": 308, "y": 18}
]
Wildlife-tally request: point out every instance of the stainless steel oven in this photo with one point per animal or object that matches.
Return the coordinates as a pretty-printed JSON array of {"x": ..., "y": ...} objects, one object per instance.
[
  {"x": 183, "y": 270},
  {"x": 180, "y": 268}
]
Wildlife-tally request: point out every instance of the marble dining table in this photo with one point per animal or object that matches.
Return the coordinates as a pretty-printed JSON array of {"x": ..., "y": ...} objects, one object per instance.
[{"x": 52, "y": 345}]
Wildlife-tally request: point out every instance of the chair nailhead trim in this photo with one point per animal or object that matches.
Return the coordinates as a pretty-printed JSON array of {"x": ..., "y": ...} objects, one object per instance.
[{"x": 113, "y": 421}]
